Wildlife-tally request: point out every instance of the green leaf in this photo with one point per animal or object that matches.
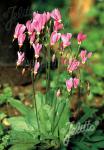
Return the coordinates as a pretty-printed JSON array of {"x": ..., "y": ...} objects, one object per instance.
[
  {"x": 28, "y": 113},
  {"x": 40, "y": 99},
  {"x": 7, "y": 94},
  {"x": 83, "y": 145},
  {"x": 63, "y": 122},
  {"x": 20, "y": 124},
  {"x": 44, "y": 118},
  {"x": 24, "y": 110},
  {"x": 97, "y": 138},
  {"x": 99, "y": 144},
  {"x": 94, "y": 148},
  {"x": 2, "y": 116},
  {"x": 1, "y": 130},
  {"x": 22, "y": 147},
  {"x": 89, "y": 112},
  {"x": 61, "y": 119}
]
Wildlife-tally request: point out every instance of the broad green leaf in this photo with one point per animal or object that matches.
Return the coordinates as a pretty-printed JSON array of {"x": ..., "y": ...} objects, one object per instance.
[
  {"x": 24, "y": 110},
  {"x": 20, "y": 124},
  {"x": 45, "y": 123},
  {"x": 99, "y": 144},
  {"x": 22, "y": 147},
  {"x": 28, "y": 113}
]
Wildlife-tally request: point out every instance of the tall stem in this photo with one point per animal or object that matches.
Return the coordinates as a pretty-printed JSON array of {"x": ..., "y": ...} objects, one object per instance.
[
  {"x": 48, "y": 73},
  {"x": 59, "y": 118},
  {"x": 34, "y": 101},
  {"x": 55, "y": 100},
  {"x": 49, "y": 69}
]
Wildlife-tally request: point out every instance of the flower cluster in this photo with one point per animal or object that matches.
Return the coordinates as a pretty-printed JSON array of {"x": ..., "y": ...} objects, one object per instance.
[
  {"x": 72, "y": 82},
  {"x": 33, "y": 29},
  {"x": 36, "y": 30},
  {"x": 75, "y": 63}
]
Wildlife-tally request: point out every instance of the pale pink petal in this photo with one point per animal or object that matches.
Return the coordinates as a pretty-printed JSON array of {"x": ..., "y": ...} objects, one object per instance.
[
  {"x": 21, "y": 39},
  {"x": 36, "y": 67},
  {"x": 37, "y": 49},
  {"x": 32, "y": 38},
  {"x": 54, "y": 37},
  {"x": 69, "y": 84},
  {"x": 76, "y": 82},
  {"x": 21, "y": 57},
  {"x": 81, "y": 37},
  {"x": 56, "y": 15},
  {"x": 89, "y": 54}
]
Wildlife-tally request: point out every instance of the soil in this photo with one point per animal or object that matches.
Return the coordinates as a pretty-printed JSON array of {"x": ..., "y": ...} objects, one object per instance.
[{"x": 12, "y": 76}]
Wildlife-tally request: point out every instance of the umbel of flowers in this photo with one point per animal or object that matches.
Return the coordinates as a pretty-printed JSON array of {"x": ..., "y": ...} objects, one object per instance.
[{"x": 43, "y": 32}]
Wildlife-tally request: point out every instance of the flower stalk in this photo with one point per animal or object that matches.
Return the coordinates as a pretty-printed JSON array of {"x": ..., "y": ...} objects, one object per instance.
[{"x": 34, "y": 102}]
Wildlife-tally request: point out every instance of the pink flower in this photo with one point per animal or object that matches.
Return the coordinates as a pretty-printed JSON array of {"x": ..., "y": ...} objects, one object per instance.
[
  {"x": 20, "y": 28},
  {"x": 36, "y": 16},
  {"x": 75, "y": 82},
  {"x": 84, "y": 55},
  {"x": 69, "y": 84},
  {"x": 73, "y": 65},
  {"x": 54, "y": 37},
  {"x": 56, "y": 15},
  {"x": 30, "y": 27},
  {"x": 48, "y": 15},
  {"x": 21, "y": 57},
  {"x": 38, "y": 25},
  {"x": 57, "y": 26},
  {"x": 72, "y": 83},
  {"x": 37, "y": 48},
  {"x": 40, "y": 20},
  {"x": 32, "y": 38},
  {"x": 17, "y": 28},
  {"x": 44, "y": 19},
  {"x": 36, "y": 67},
  {"x": 65, "y": 39},
  {"x": 21, "y": 39},
  {"x": 81, "y": 37}
]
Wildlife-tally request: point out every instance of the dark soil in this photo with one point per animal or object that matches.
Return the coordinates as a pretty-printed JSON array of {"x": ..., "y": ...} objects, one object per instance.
[{"x": 12, "y": 76}]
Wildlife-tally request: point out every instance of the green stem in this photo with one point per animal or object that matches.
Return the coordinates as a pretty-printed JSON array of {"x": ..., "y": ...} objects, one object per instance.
[
  {"x": 78, "y": 51},
  {"x": 59, "y": 118},
  {"x": 49, "y": 57},
  {"x": 48, "y": 73},
  {"x": 58, "y": 70},
  {"x": 54, "y": 113},
  {"x": 55, "y": 100},
  {"x": 34, "y": 101}
]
